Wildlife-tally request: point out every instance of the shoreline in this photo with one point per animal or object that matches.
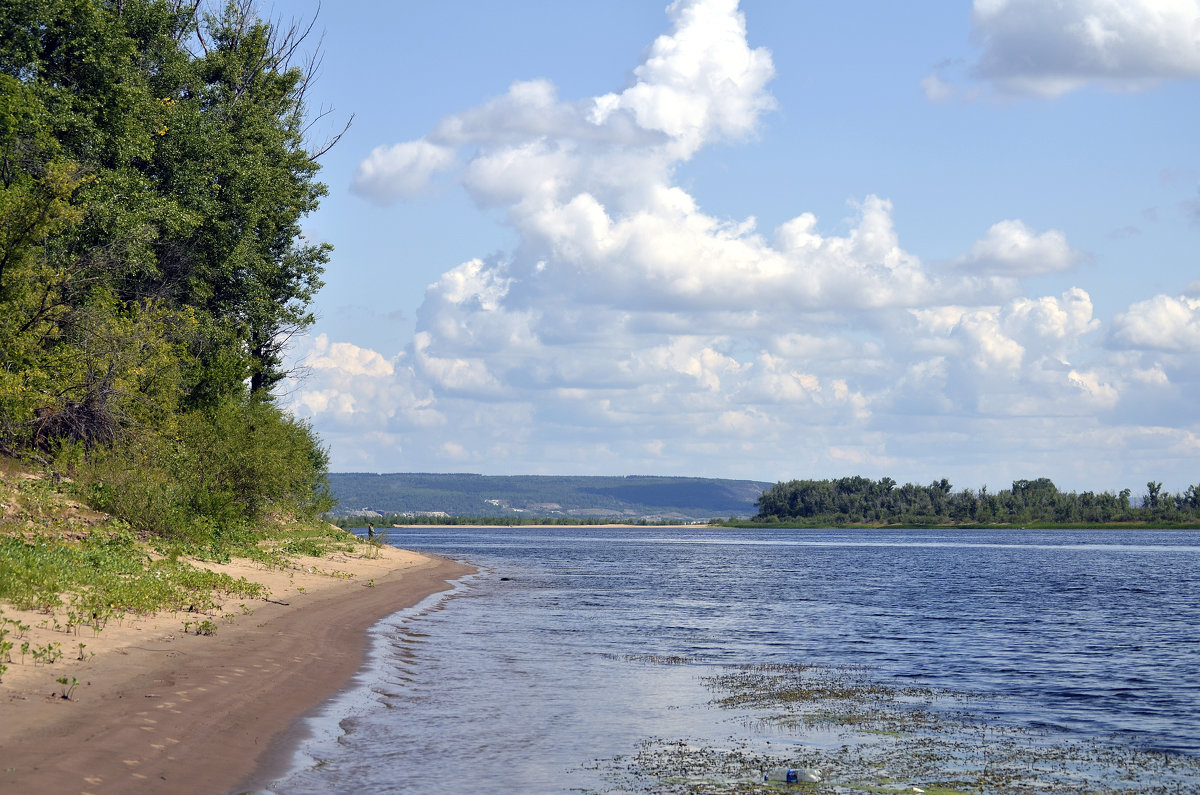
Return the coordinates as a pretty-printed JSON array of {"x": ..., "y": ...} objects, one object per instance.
[
  {"x": 157, "y": 708},
  {"x": 291, "y": 751}
]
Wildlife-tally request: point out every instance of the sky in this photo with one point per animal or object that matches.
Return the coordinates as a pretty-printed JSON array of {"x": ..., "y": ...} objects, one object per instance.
[{"x": 766, "y": 240}]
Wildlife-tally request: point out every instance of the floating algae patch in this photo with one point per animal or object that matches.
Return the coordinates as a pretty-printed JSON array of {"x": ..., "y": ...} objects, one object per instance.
[
  {"x": 820, "y": 694},
  {"x": 846, "y": 702},
  {"x": 652, "y": 659},
  {"x": 681, "y": 766},
  {"x": 865, "y": 736}
]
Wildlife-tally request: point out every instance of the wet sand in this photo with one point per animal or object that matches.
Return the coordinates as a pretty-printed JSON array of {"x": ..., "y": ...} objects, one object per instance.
[{"x": 158, "y": 710}]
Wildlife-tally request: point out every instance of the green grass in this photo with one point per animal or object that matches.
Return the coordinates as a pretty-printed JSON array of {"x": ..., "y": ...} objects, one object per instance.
[
  {"x": 59, "y": 557},
  {"x": 104, "y": 575}
]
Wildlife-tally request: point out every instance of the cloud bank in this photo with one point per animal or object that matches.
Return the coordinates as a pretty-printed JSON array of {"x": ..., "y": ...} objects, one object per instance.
[
  {"x": 629, "y": 331},
  {"x": 1047, "y": 49}
]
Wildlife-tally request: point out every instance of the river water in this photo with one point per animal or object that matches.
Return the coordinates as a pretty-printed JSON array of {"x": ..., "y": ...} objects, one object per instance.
[{"x": 529, "y": 675}]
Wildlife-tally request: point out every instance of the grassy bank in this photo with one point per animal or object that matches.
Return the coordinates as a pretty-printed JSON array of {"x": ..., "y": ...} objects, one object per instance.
[{"x": 78, "y": 569}]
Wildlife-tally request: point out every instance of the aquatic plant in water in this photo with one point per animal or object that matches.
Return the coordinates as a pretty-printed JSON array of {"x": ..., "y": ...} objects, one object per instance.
[{"x": 866, "y": 736}]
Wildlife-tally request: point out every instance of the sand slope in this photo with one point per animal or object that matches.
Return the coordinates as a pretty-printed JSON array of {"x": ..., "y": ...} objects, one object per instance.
[{"x": 158, "y": 710}]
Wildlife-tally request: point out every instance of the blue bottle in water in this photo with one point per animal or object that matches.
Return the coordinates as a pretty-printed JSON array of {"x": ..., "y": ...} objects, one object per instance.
[{"x": 793, "y": 775}]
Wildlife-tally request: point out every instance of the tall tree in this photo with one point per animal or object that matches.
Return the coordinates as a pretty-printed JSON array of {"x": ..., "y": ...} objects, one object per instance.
[
  {"x": 232, "y": 155},
  {"x": 152, "y": 167}
]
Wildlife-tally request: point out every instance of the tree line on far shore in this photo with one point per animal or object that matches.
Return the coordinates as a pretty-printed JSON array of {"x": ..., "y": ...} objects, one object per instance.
[{"x": 860, "y": 500}]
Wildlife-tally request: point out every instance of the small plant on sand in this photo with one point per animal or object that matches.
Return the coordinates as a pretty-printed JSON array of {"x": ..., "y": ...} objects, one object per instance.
[
  {"x": 206, "y": 627},
  {"x": 69, "y": 685},
  {"x": 48, "y": 654},
  {"x": 17, "y": 627},
  {"x": 100, "y": 619}
]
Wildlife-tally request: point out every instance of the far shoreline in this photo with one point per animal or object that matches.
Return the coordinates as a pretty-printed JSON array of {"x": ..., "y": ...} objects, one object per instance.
[{"x": 750, "y": 525}]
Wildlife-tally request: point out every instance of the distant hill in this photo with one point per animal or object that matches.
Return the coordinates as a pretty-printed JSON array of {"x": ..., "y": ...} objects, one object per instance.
[{"x": 550, "y": 496}]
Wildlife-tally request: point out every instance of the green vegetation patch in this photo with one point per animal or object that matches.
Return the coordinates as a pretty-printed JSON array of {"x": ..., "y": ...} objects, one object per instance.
[
  {"x": 865, "y": 736},
  {"x": 862, "y": 502},
  {"x": 105, "y": 575},
  {"x": 57, "y": 555}
]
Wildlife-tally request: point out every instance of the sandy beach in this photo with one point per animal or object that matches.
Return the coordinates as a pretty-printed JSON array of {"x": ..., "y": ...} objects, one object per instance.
[{"x": 158, "y": 709}]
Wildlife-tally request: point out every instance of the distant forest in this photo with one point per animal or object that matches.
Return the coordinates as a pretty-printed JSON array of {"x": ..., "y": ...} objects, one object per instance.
[
  {"x": 443, "y": 520},
  {"x": 859, "y": 500},
  {"x": 569, "y": 498}
]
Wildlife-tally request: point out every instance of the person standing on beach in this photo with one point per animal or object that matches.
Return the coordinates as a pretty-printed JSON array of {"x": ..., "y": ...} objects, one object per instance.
[{"x": 370, "y": 531}]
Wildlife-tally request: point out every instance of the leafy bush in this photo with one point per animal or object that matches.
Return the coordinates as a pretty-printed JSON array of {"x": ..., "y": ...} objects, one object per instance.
[{"x": 213, "y": 476}]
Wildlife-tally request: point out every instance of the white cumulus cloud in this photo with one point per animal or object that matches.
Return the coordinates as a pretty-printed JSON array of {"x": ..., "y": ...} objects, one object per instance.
[
  {"x": 347, "y": 358},
  {"x": 1160, "y": 323},
  {"x": 1010, "y": 248},
  {"x": 629, "y": 329},
  {"x": 701, "y": 80},
  {"x": 1050, "y": 48},
  {"x": 401, "y": 170}
]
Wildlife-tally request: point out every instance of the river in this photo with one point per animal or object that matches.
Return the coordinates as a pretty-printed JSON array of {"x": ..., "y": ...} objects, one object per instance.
[{"x": 575, "y": 647}]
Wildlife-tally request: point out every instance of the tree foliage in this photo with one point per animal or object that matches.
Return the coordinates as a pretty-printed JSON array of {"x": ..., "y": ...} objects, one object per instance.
[
  {"x": 153, "y": 178},
  {"x": 859, "y": 500}
]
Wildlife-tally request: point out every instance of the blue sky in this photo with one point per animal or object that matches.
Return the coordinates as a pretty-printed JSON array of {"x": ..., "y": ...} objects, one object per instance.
[{"x": 766, "y": 240}]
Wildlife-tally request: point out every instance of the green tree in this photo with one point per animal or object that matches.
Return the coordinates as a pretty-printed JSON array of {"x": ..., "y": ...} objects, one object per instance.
[
  {"x": 153, "y": 177},
  {"x": 1152, "y": 500},
  {"x": 232, "y": 156}
]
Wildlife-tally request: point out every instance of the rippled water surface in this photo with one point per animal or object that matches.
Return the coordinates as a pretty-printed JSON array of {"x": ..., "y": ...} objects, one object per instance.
[{"x": 545, "y": 662}]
